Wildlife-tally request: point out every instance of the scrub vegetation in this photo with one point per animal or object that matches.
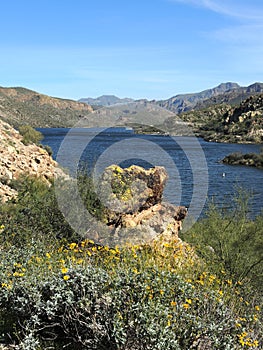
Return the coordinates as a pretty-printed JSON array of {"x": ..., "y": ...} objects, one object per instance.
[{"x": 61, "y": 291}]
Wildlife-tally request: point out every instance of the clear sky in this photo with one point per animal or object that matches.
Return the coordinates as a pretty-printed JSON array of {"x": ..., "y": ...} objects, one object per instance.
[{"x": 141, "y": 48}]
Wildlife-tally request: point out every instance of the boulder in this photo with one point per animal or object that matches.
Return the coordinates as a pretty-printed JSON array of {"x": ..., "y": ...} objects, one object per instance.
[
  {"x": 132, "y": 189},
  {"x": 135, "y": 212}
]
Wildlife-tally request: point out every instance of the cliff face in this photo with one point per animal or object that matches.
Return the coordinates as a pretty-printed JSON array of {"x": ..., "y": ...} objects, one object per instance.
[
  {"x": 17, "y": 159},
  {"x": 246, "y": 121}
]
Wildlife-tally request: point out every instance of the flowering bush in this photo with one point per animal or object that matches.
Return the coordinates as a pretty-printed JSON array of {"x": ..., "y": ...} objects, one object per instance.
[
  {"x": 90, "y": 297},
  {"x": 73, "y": 294}
]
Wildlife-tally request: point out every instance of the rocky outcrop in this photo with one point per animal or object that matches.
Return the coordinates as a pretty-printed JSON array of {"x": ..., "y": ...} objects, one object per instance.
[
  {"x": 249, "y": 159},
  {"x": 135, "y": 210},
  {"x": 17, "y": 159},
  {"x": 245, "y": 122}
]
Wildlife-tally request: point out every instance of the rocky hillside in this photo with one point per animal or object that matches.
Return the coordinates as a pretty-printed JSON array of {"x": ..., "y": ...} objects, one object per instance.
[
  {"x": 185, "y": 102},
  {"x": 232, "y": 97},
  {"x": 245, "y": 121},
  {"x": 22, "y": 106},
  {"x": 17, "y": 159},
  {"x": 226, "y": 123},
  {"x": 226, "y": 93}
]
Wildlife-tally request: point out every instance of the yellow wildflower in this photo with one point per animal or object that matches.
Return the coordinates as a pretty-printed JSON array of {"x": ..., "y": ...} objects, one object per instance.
[
  {"x": 66, "y": 277},
  {"x": 64, "y": 270},
  {"x": 257, "y": 308},
  {"x": 72, "y": 246},
  {"x": 18, "y": 274},
  {"x": 173, "y": 303},
  {"x": 48, "y": 255}
]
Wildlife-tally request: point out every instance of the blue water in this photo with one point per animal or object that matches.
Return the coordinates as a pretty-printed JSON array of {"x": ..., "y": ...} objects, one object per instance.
[{"x": 196, "y": 175}]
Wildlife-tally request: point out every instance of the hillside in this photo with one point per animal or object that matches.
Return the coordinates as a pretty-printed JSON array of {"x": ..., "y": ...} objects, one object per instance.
[
  {"x": 226, "y": 93},
  {"x": 105, "y": 100},
  {"x": 232, "y": 97},
  {"x": 185, "y": 102},
  {"x": 20, "y": 106},
  {"x": 17, "y": 159},
  {"x": 226, "y": 123}
]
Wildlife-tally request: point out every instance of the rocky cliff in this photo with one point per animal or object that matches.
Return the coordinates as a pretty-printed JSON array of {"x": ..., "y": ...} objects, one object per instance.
[
  {"x": 17, "y": 159},
  {"x": 244, "y": 122}
]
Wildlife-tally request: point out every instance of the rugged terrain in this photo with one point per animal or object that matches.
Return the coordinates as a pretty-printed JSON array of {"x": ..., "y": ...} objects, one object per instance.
[
  {"x": 227, "y": 93},
  {"x": 17, "y": 159},
  {"x": 20, "y": 106},
  {"x": 226, "y": 123}
]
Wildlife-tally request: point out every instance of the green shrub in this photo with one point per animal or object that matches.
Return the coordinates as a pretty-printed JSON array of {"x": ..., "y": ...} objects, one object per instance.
[
  {"x": 92, "y": 305},
  {"x": 230, "y": 241},
  {"x": 67, "y": 293},
  {"x": 34, "y": 215},
  {"x": 30, "y": 135}
]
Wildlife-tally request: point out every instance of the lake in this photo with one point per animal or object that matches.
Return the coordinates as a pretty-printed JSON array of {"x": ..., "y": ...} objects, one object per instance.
[{"x": 196, "y": 175}]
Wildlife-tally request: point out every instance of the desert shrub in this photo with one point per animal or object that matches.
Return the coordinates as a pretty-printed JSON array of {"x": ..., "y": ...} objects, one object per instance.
[
  {"x": 34, "y": 215},
  {"x": 57, "y": 291},
  {"x": 48, "y": 149},
  {"x": 82, "y": 296},
  {"x": 231, "y": 242},
  {"x": 30, "y": 135}
]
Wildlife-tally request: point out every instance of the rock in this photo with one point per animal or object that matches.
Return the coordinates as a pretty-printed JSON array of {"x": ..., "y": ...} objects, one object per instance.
[
  {"x": 131, "y": 189},
  {"x": 17, "y": 158},
  {"x": 134, "y": 208}
]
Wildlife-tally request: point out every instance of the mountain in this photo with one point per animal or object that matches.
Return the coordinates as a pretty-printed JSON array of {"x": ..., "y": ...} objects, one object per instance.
[
  {"x": 232, "y": 97},
  {"x": 185, "y": 102},
  {"x": 22, "y": 106},
  {"x": 225, "y": 123},
  {"x": 105, "y": 100}
]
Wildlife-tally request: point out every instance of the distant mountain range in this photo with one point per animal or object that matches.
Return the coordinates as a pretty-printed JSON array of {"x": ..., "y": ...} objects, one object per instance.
[
  {"x": 228, "y": 112},
  {"x": 105, "y": 100},
  {"x": 230, "y": 93}
]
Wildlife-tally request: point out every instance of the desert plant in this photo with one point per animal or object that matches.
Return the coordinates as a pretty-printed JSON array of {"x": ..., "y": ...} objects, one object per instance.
[
  {"x": 230, "y": 241},
  {"x": 30, "y": 135}
]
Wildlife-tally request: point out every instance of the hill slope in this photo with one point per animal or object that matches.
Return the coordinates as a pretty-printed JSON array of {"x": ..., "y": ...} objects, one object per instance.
[
  {"x": 17, "y": 159},
  {"x": 185, "y": 102},
  {"x": 20, "y": 106},
  {"x": 233, "y": 96},
  {"x": 226, "y": 123}
]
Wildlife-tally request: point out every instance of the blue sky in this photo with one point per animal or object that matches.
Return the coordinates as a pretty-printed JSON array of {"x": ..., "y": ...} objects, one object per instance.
[{"x": 141, "y": 49}]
